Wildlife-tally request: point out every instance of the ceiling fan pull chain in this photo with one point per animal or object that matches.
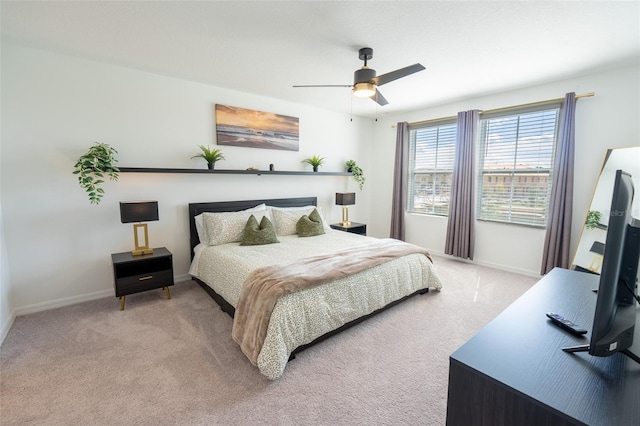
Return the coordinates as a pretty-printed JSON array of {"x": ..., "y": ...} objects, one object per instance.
[{"x": 351, "y": 108}]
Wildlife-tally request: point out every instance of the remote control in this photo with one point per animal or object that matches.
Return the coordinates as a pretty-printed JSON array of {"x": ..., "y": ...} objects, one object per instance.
[{"x": 562, "y": 322}]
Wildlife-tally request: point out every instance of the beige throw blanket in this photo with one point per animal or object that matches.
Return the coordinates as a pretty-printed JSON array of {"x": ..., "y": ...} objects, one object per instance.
[{"x": 264, "y": 286}]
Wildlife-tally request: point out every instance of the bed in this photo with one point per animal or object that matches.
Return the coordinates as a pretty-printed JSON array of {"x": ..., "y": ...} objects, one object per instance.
[{"x": 225, "y": 269}]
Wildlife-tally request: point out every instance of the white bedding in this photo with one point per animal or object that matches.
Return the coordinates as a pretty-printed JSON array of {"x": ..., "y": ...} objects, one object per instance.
[{"x": 299, "y": 318}]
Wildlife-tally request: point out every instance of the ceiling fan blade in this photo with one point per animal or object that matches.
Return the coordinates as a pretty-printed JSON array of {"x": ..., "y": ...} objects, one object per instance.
[
  {"x": 379, "y": 98},
  {"x": 325, "y": 85},
  {"x": 394, "y": 75}
]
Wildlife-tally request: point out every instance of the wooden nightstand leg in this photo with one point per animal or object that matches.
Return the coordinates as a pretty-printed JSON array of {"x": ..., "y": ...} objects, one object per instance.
[
  {"x": 166, "y": 290},
  {"x": 122, "y": 300}
]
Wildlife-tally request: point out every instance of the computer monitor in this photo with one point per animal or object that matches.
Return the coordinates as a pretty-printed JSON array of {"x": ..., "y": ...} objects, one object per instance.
[{"x": 615, "y": 316}]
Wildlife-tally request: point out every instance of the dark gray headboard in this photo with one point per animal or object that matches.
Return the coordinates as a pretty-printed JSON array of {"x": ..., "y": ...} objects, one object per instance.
[{"x": 233, "y": 206}]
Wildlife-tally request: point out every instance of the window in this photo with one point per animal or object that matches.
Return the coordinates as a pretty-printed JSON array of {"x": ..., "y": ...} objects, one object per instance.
[
  {"x": 431, "y": 151},
  {"x": 515, "y": 165}
]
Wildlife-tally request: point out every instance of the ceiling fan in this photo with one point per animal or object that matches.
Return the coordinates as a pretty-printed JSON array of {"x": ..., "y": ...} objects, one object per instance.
[{"x": 365, "y": 82}]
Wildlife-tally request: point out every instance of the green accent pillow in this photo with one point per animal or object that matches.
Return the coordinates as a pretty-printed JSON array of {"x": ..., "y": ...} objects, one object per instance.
[
  {"x": 255, "y": 235},
  {"x": 310, "y": 226}
]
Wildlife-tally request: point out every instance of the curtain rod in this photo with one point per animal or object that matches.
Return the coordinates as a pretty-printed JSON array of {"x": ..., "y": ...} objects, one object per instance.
[{"x": 548, "y": 101}]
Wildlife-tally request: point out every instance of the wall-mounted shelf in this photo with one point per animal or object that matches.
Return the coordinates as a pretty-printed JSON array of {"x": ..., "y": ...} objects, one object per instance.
[{"x": 229, "y": 172}]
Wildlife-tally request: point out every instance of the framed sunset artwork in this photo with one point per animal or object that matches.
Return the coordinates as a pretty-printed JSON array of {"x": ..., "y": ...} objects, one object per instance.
[{"x": 256, "y": 129}]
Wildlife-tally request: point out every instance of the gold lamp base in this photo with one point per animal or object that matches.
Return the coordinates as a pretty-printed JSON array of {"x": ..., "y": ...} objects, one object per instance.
[
  {"x": 139, "y": 250},
  {"x": 345, "y": 216},
  {"x": 596, "y": 264}
]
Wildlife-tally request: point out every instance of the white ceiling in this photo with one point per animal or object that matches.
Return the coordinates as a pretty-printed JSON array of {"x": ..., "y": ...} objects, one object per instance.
[{"x": 265, "y": 47}]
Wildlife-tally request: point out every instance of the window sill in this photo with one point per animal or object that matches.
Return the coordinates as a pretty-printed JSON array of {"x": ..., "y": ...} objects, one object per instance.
[
  {"x": 525, "y": 225},
  {"x": 426, "y": 214}
]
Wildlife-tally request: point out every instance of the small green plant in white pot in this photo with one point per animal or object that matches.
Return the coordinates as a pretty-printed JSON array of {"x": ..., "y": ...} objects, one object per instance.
[{"x": 92, "y": 166}]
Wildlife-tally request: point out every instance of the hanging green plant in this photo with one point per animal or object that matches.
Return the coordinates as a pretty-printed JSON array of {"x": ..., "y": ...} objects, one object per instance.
[
  {"x": 358, "y": 174},
  {"x": 91, "y": 168},
  {"x": 593, "y": 219}
]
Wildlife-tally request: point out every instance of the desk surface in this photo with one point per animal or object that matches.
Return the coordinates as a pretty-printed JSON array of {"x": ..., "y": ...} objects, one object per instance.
[{"x": 521, "y": 350}]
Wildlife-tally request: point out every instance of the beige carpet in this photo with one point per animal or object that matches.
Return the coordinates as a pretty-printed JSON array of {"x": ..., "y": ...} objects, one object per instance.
[{"x": 173, "y": 361}]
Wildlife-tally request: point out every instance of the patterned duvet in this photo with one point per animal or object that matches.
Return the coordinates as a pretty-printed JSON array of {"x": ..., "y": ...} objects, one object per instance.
[{"x": 301, "y": 317}]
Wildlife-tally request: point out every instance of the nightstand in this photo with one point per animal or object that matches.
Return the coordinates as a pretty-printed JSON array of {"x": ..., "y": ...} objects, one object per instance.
[
  {"x": 134, "y": 274},
  {"x": 354, "y": 228}
]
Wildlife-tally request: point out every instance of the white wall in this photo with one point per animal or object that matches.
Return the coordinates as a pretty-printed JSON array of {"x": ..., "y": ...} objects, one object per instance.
[
  {"x": 54, "y": 107},
  {"x": 6, "y": 311},
  {"x": 56, "y": 246},
  {"x": 608, "y": 120}
]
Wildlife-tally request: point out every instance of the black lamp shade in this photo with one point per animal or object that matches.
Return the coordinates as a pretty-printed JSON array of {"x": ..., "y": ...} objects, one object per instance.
[
  {"x": 138, "y": 211},
  {"x": 597, "y": 248},
  {"x": 345, "y": 198}
]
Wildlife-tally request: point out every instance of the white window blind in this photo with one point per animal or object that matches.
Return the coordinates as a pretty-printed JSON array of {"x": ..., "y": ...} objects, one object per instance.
[
  {"x": 515, "y": 165},
  {"x": 431, "y": 156}
]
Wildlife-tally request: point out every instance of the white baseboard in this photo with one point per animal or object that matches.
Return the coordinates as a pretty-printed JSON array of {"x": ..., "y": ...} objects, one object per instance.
[
  {"x": 510, "y": 269},
  {"x": 66, "y": 301},
  {"x": 180, "y": 278},
  {"x": 7, "y": 326},
  {"x": 489, "y": 265}
]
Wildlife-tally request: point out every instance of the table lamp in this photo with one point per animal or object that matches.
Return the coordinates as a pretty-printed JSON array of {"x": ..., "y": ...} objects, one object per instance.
[
  {"x": 345, "y": 199},
  {"x": 139, "y": 211},
  {"x": 596, "y": 264}
]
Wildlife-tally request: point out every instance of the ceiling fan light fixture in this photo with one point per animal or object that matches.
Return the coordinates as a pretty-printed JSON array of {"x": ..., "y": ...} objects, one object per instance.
[
  {"x": 366, "y": 81},
  {"x": 364, "y": 90}
]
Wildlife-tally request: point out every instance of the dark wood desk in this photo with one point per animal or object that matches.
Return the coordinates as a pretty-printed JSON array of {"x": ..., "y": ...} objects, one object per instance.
[{"x": 513, "y": 372}]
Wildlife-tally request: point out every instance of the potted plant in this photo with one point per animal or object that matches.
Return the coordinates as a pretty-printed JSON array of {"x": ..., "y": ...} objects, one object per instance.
[
  {"x": 210, "y": 155},
  {"x": 315, "y": 162},
  {"x": 358, "y": 174},
  {"x": 92, "y": 166},
  {"x": 593, "y": 219}
]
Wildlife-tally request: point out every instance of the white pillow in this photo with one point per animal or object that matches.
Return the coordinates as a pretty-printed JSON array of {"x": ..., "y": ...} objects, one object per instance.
[
  {"x": 286, "y": 218},
  {"x": 201, "y": 229}
]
